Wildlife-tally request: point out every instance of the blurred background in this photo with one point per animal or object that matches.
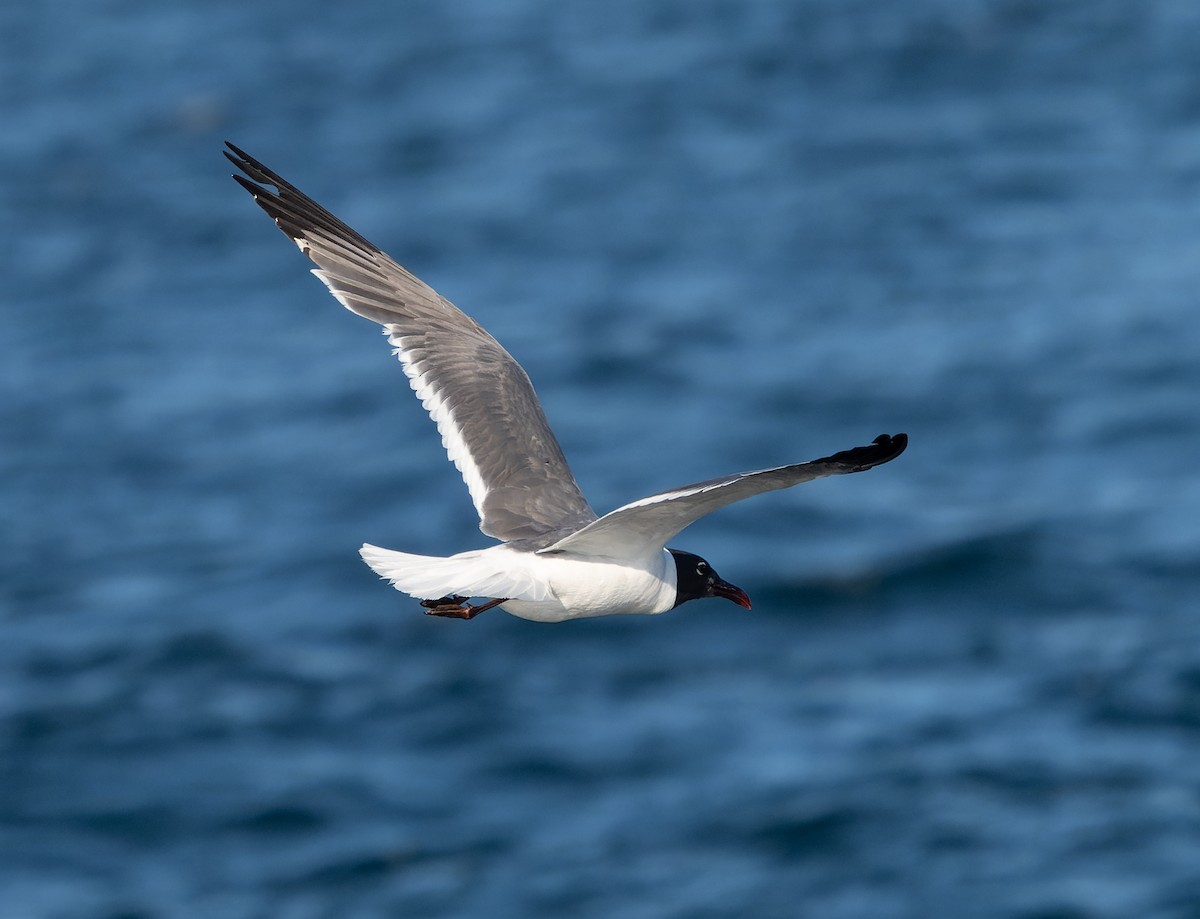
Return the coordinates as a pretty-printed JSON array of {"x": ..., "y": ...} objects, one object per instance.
[{"x": 719, "y": 236}]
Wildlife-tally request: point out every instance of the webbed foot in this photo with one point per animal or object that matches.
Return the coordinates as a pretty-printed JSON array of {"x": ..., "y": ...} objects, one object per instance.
[{"x": 457, "y": 607}]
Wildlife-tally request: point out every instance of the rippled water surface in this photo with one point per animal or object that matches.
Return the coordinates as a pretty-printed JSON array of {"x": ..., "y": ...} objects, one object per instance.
[{"x": 719, "y": 237}]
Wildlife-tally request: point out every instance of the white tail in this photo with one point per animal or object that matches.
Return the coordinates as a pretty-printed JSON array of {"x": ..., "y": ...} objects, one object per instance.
[{"x": 479, "y": 573}]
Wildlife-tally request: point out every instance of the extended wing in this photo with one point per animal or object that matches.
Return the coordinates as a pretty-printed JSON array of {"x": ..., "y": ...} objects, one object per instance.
[
  {"x": 642, "y": 528},
  {"x": 491, "y": 423}
]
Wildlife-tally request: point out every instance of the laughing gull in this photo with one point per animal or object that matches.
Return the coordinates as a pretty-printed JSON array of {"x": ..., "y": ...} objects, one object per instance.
[{"x": 557, "y": 560}]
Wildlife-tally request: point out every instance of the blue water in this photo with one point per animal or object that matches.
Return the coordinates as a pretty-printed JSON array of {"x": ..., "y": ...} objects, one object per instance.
[{"x": 720, "y": 237}]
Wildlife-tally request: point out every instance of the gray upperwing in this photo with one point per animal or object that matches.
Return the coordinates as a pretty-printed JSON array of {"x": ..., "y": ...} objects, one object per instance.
[
  {"x": 642, "y": 528},
  {"x": 481, "y": 399}
]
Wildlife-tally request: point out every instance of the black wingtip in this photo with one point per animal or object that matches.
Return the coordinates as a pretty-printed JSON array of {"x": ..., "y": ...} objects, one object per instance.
[
  {"x": 883, "y": 449},
  {"x": 294, "y": 212},
  {"x": 895, "y": 444},
  {"x": 254, "y": 169}
]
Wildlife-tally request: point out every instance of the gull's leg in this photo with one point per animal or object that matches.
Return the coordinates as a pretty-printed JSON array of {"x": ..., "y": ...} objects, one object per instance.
[
  {"x": 473, "y": 611},
  {"x": 447, "y": 606},
  {"x": 453, "y": 607}
]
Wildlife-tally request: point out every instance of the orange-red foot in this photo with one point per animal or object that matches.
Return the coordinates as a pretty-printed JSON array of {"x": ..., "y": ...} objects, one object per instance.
[{"x": 457, "y": 607}]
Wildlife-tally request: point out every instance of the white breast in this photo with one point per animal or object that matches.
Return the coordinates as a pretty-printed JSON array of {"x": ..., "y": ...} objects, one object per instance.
[
  {"x": 581, "y": 589},
  {"x": 546, "y": 588}
]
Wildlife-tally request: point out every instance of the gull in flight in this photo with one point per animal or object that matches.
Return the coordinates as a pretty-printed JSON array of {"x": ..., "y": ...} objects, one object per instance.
[{"x": 556, "y": 559}]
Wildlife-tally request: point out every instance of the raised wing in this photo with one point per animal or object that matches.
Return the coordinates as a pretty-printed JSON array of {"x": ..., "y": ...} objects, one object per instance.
[
  {"x": 491, "y": 423},
  {"x": 642, "y": 529}
]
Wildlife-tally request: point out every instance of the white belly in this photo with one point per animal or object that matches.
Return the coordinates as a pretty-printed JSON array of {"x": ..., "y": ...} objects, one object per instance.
[
  {"x": 545, "y": 588},
  {"x": 581, "y": 590}
]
